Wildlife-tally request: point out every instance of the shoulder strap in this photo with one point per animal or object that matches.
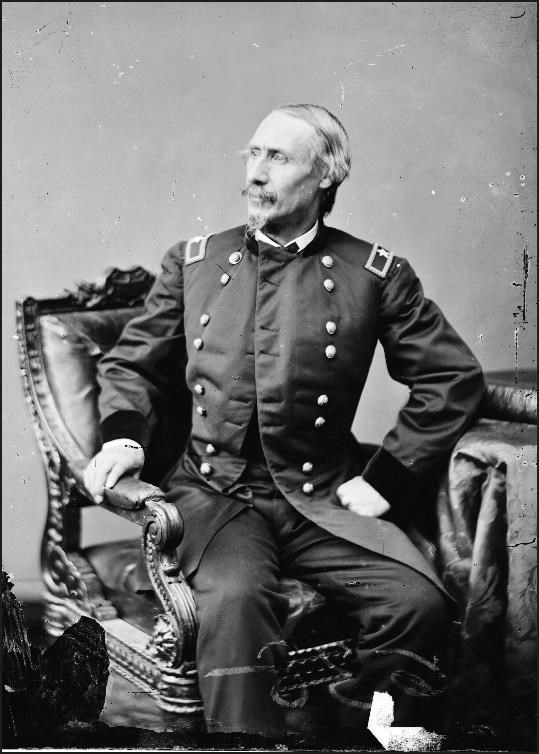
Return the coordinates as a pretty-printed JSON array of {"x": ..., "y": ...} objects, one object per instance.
[
  {"x": 379, "y": 261},
  {"x": 195, "y": 249}
]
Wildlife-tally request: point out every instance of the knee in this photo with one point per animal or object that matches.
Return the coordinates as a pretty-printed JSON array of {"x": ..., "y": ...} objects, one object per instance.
[
  {"x": 424, "y": 605},
  {"x": 238, "y": 598}
]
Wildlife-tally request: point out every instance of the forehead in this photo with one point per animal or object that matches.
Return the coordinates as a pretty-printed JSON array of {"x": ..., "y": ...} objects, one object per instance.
[{"x": 280, "y": 131}]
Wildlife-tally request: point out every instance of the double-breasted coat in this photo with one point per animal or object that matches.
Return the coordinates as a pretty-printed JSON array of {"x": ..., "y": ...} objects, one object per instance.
[{"x": 291, "y": 337}]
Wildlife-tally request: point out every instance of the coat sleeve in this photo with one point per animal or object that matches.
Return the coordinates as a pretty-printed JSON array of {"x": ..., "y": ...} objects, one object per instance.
[
  {"x": 446, "y": 383},
  {"x": 138, "y": 371}
]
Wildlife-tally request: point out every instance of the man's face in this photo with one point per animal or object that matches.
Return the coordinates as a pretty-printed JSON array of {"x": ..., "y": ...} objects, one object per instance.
[{"x": 282, "y": 190}]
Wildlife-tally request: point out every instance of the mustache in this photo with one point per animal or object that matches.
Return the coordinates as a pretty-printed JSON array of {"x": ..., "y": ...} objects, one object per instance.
[{"x": 255, "y": 192}]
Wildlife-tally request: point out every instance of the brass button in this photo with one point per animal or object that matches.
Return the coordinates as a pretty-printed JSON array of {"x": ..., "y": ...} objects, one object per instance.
[
  {"x": 224, "y": 278},
  {"x": 329, "y": 285},
  {"x": 330, "y": 352},
  {"x": 200, "y": 411},
  {"x": 205, "y": 469},
  {"x": 327, "y": 261},
  {"x": 210, "y": 449},
  {"x": 308, "y": 488},
  {"x": 198, "y": 343},
  {"x": 331, "y": 327},
  {"x": 204, "y": 319},
  {"x": 199, "y": 389},
  {"x": 235, "y": 257},
  {"x": 319, "y": 422},
  {"x": 307, "y": 467},
  {"x": 322, "y": 400}
]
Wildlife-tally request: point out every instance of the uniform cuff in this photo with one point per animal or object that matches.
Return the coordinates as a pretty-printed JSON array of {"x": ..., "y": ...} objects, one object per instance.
[
  {"x": 125, "y": 424},
  {"x": 390, "y": 478}
]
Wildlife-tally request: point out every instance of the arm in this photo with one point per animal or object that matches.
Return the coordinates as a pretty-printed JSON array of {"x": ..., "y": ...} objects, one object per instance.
[
  {"x": 136, "y": 374},
  {"x": 446, "y": 385}
]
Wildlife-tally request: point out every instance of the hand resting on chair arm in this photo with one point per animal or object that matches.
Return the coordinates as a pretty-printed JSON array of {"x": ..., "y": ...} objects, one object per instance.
[{"x": 116, "y": 459}]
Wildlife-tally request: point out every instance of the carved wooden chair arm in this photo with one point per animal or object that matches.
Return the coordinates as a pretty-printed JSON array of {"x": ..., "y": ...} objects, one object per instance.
[{"x": 144, "y": 504}]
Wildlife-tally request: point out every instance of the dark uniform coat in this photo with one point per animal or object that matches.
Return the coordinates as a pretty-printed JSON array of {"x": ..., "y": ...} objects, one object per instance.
[{"x": 291, "y": 336}]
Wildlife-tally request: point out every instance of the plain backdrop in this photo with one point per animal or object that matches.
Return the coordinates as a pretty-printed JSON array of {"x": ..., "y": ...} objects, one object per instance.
[{"x": 122, "y": 126}]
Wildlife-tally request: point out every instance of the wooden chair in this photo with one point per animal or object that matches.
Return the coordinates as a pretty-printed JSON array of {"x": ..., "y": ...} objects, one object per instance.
[{"x": 150, "y": 638}]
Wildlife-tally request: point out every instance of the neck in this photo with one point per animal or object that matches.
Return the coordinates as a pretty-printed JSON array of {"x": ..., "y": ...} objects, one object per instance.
[{"x": 283, "y": 235}]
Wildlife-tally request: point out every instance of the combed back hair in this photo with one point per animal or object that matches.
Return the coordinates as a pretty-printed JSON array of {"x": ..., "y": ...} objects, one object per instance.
[{"x": 331, "y": 148}]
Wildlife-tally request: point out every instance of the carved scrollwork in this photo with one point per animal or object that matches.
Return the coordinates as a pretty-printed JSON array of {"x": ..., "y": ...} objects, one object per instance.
[
  {"x": 174, "y": 634},
  {"x": 121, "y": 288},
  {"x": 164, "y": 639}
]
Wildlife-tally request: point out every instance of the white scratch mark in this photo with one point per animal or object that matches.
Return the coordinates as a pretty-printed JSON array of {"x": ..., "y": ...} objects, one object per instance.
[
  {"x": 433, "y": 192},
  {"x": 508, "y": 173},
  {"x": 393, "y": 49},
  {"x": 255, "y": 44}
]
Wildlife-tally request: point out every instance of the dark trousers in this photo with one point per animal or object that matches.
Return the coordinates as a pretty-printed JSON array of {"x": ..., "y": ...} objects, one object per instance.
[{"x": 401, "y": 619}]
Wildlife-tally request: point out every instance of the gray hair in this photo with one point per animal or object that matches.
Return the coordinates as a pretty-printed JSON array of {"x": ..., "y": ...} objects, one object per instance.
[{"x": 331, "y": 147}]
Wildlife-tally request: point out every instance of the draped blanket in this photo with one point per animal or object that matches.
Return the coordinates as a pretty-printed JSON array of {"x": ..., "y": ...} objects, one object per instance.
[{"x": 487, "y": 547}]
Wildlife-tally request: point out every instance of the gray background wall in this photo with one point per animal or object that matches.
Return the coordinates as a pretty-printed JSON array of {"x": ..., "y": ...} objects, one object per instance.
[{"x": 122, "y": 123}]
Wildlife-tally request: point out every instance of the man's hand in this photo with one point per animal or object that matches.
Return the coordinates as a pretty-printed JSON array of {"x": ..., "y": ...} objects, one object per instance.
[
  {"x": 115, "y": 459},
  {"x": 359, "y": 497}
]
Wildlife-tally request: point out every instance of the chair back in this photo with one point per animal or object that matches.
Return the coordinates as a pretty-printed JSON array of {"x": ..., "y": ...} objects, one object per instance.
[{"x": 61, "y": 341}]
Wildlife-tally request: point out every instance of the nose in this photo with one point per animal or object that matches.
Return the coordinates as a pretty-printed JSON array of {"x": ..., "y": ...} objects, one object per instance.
[{"x": 257, "y": 170}]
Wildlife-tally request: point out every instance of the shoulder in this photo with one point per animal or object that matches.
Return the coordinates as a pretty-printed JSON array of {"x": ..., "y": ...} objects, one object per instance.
[
  {"x": 198, "y": 248},
  {"x": 369, "y": 256}
]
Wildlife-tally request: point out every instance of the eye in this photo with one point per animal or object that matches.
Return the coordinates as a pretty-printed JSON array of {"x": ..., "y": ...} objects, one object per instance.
[
  {"x": 278, "y": 157},
  {"x": 254, "y": 152}
]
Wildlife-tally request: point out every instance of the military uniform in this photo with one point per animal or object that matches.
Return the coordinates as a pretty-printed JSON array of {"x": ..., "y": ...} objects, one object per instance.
[{"x": 278, "y": 346}]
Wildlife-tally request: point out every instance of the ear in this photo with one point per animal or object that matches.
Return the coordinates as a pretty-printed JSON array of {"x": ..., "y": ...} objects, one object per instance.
[{"x": 325, "y": 183}]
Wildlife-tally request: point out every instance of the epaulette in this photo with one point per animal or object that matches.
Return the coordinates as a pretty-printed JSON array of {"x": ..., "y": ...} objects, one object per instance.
[
  {"x": 379, "y": 261},
  {"x": 195, "y": 249}
]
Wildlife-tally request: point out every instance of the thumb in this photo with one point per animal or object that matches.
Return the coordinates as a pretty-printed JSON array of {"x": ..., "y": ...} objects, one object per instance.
[{"x": 117, "y": 471}]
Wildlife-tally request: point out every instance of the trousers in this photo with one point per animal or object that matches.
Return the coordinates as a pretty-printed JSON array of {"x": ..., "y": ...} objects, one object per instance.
[{"x": 400, "y": 618}]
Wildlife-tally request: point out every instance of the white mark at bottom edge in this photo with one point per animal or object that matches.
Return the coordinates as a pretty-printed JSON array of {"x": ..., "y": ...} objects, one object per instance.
[{"x": 398, "y": 738}]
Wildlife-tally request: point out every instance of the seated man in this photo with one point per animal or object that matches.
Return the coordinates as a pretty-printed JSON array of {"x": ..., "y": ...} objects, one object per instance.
[{"x": 279, "y": 321}]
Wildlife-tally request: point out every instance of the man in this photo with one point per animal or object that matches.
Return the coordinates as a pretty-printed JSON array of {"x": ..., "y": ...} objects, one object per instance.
[{"x": 279, "y": 323}]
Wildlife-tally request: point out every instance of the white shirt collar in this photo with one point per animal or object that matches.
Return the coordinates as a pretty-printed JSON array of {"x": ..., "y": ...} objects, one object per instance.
[{"x": 302, "y": 241}]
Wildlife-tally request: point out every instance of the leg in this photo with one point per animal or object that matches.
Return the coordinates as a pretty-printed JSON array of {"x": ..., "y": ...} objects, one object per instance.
[
  {"x": 241, "y": 611},
  {"x": 402, "y": 620}
]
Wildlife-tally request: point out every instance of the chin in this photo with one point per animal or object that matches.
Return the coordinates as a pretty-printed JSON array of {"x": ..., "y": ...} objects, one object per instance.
[
  {"x": 258, "y": 219},
  {"x": 256, "y": 222}
]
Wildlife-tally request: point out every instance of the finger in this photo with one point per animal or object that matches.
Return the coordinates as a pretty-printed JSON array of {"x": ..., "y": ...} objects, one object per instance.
[
  {"x": 98, "y": 477},
  {"x": 117, "y": 471}
]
